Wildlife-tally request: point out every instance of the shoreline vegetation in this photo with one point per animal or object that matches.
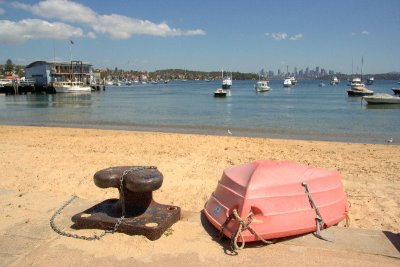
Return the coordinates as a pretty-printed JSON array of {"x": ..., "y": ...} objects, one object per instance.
[{"x": 182, "y": 74}]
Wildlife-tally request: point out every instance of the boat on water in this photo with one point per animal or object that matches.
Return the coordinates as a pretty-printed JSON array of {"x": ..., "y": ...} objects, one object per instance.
[
  {"x": 321, "y": 84},
  {"x": 370, "y": 80},
  {"x": 357, "y": 88},
  {"x": 282, "y": 198},
  {"x": 334, "y": 80},
  {"x": 287, "y": 83},
  {"x": 396, "y": 91},
  {"x": 117, "y": 83},
  {"x": 71, "y": 87},
  {"x": 382, "y": 99},
  {"x": 226, "y": 81},
  {"x": 293, "y": 80},
  {"x": 262, "y": 86},
  {"x": 220, "y": 92},
  {"x": 5, "y": 82}
]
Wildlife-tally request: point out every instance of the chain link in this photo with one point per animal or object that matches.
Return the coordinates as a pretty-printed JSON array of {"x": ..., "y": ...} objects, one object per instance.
[{"x": 117, "y": 224}]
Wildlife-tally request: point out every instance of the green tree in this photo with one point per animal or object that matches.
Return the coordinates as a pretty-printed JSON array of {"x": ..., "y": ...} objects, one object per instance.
[{"x": 9, "y": 67}]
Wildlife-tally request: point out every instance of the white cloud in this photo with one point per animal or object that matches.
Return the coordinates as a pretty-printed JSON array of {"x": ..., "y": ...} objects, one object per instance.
[
  {"x": 61, "y": 9},
  {"x": 296, "y": 37},
  {"x": 364, "y": 32},
  {"x": 18, "y": 32},
  {"x": 91, "y": 35},
  {"x": 279, "y": 36},
  {"x": 114, "y": 25}
]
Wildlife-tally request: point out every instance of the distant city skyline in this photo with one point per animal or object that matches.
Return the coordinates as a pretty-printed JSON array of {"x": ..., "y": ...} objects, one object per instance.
[{"x": 244, "y": 36}]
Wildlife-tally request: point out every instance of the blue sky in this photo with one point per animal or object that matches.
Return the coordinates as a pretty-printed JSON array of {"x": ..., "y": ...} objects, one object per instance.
[{"x": 205, "y": 35}]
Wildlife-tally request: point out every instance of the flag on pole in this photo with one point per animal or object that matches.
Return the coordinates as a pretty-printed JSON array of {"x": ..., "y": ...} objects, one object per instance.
[{"x": 72, "y": 42}]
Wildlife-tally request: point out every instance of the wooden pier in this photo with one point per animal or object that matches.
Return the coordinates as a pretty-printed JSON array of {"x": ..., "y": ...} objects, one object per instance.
[{"x": 29, "y": 87}]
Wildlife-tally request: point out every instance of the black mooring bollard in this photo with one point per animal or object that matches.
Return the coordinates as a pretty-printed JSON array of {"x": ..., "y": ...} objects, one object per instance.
[{"x": 142, "y": 215}]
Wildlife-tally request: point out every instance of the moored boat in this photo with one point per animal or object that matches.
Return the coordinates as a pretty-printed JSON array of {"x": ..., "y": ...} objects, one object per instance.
[
  {"x": 370, "y": 80},
  {"x": 220, "y": 92},
  {"x": 357, "y": 88},
  {"x": 287, "y": 82},
  {"x": 293, "y": 80},
  {"x": 226, "y": 81},
  {"x": 334, "y": 80},
  {"x": 283, "y": 199},
  {"x": 382, "y": 99},
  {"x": 396, "y": 91},
  {"x": 262, "y": 86},
  {"x": 71, "y": 87}
]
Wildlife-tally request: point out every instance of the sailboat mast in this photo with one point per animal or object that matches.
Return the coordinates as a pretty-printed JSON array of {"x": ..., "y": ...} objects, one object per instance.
[{"x": 362, "y": 63}]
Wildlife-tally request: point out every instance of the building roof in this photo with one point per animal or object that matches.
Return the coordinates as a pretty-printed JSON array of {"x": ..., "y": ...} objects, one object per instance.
[{"x": 41, "y": 62}]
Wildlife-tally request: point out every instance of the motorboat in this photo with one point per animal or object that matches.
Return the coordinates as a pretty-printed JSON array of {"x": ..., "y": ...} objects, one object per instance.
[
  {"x": 71, "y": 87},
  {"x": 396, "y": 91},
  {"x": 359, "y": 91},
  {"x": 226, "y": 81},
  {"x": 287, "y": 83},
  {"x": 279, "y": 198},
  {"x": 370, "y": 80},
  {"x": 357, "y": 88},
  {"x": 5, "y": 82},
  {"x": 262, "y": 86},
  {"x": 356, "y": 81},
  {"x": 293, "y": 80},
  {"x": 220, "y": 92},
  {"x": 117, "y": 83},
  {"x": 382, "y": 99},
  {"x": 321, "y": 84},
  {"x": 334, "y": 80}
]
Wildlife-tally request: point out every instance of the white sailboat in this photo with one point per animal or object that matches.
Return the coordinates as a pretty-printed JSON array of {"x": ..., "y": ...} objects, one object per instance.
[
  {"x": 226, "y": 81},
  {"x": 357, "y": 88}
]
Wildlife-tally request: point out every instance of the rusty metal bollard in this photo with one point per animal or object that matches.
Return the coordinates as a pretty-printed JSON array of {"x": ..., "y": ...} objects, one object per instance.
[{"x": 141, "y": 214}]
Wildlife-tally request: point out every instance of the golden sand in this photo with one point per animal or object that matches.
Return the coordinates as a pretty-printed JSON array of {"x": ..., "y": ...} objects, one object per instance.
[{"x": 59, "y": 162}]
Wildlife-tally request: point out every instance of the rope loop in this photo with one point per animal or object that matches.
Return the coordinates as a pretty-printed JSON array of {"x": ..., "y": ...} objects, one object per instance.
[{"x": 244, "y": 224}]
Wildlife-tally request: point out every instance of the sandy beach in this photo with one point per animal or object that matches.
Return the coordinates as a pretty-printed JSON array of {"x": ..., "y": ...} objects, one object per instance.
[{"x": 43, "y": 166}]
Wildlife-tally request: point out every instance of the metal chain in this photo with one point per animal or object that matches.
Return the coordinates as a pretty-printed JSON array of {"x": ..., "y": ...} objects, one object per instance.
[{"x": 117, "y": 224}]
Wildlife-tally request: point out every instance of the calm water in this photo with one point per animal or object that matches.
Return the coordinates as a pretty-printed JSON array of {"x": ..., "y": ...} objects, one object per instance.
[{"x": 306, "y": 111}]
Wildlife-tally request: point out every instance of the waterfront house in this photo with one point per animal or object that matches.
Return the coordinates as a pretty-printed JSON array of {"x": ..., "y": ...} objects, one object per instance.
[{"x": 46, "y": 72}]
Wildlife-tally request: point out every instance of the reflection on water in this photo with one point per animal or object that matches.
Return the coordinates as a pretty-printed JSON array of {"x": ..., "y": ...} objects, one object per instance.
[
  {"x": 71, "y": 100},
  {"x": 305, "y": 111}
]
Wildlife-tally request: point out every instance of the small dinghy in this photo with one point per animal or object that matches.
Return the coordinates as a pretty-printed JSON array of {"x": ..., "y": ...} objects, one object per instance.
[{"x": 275, "y": 199}]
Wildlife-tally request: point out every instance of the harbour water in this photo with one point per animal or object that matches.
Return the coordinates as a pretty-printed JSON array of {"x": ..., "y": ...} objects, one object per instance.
[{"x": 305, "y": 111}]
